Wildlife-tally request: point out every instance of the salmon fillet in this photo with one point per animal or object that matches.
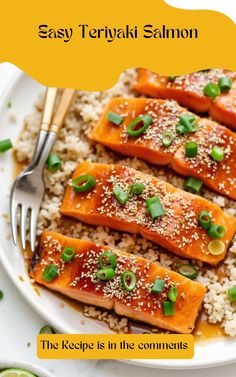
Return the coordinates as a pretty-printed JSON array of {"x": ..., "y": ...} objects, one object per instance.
[
  {"x": 188, "y": 91},
  {"x": 177, "y": 230},
  {"x": 219, "y": 176},
  {"x": 77, "y": 279}
]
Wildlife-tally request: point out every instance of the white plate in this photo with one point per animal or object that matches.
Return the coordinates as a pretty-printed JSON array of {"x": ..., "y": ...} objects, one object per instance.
[
  {"x": 38, "y": 371},
  {"x": 22, "y": 92}
]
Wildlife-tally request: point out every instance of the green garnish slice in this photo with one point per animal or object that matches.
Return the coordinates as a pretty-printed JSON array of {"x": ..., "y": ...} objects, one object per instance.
[
  {"x": 83, "y": 183},
  {"x": 114, "y": 118},
  {"x": 128, "y": 280},
  {"x": 68, "y": 254},
  {"x": 155, "y": 207},
  {"x": 107, "y": 259},
  {"x": 158, "y": 286},
  {"x": 139, "y": 125}
]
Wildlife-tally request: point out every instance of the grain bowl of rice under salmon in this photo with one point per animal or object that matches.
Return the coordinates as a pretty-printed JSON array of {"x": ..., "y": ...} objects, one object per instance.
[{"x": 138, "y": 224}]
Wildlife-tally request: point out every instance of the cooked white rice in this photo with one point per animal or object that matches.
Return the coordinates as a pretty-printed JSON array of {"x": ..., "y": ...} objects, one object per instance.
[{"x": 73, "y": 146}]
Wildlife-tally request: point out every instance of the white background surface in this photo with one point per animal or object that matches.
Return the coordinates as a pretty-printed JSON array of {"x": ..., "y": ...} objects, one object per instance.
[{"x": 19, "y": 325}]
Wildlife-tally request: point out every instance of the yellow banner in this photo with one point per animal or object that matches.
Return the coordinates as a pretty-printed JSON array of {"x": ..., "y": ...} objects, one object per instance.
[
  {"x": 87, "y": 44},
  {"x": 115, "y": 346}
]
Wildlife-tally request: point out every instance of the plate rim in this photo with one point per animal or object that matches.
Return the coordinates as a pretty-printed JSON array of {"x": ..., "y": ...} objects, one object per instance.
[{"x": 148, "y": 363}]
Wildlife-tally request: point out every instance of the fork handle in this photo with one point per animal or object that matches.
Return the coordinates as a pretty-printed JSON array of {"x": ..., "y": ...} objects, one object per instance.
[
  {"x": 57, "y": 122},
  {"x": 50, "y": 140},
  {"x": 48, "y": 108},
  {"x": 58, "y": 119},
  {"x": 49, "y": 103}
]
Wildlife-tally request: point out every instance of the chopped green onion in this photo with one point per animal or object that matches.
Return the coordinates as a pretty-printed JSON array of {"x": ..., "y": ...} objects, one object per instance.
[
  {"x": 204, "y": 219},
  {"x": 105, "y": 274},
  {"x": 121, "y": 196},
  {"x": 9, "y": 104},
  {"x": 188, "y": 271},
  {"x": 172, "y": 78},
  {"x": 173, "y": 293},
  {"x": 137, "y": 188},
  {"x": 211, "y": 90},
  {"x": 1, "y": 295},
  {"x": 168, "y": 308},
  {"x": 232, "y": 294},
  {"x": 114, "y": 118},
  {"x": 225, "y": 83},
  {"x": 139, "y": 125},
  {"x": 53, "y": 162},
  {"x": 192, "y": 184},
  {"x": 217, "y": 153},
  {"x": 68, "y": 254},
  {"x": 167, "y": 138},
  {"x": 50, "y": 272},
  {"x": 186, "y": 124},
  {"x": 186, "y": 118},
  {"x": 83, "y": 183},
  {"x": 128, "y": 280},
  {"x": 47, "y": 330},
  {"x": 158, "y": 286},
  {"x": 5, "y": 145},
  {"x": 107, "y": 259},
  {"x": 155, "y": 207},
  {"x": 180, "y": 129},
  {"x": 216, "y": 247},
  {"x": 191, "y": 149},
  {"x": 216, "y": 231}
]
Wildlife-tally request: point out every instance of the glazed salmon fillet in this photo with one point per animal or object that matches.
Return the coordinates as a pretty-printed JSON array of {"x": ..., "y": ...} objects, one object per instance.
[
  {"x": 78, "y": 279},
  {"x": 165, "y": 114},
  {"x": 176, "y": 228},
  {"x": 188, "y": 90}
]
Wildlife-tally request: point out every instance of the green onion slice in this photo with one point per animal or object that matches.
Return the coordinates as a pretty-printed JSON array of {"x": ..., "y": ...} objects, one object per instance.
[
  {"x": 216, "y": 231},
  {"x": 217, "y": 153},
  {"x": 192, "y": 184},
  {"x": 1, "y": 295},
  {"x": 114, "y": 118},
  {"x": 155, "y": 207},
  {"x": 107, "y": 260},
  {"x": 68, "y": 254},
  {"x": 83, "y": 183},
  {"x": 5, "y": 145},
  {"x": 211, "y": 90},
  {"x": 186, "y": 124},
  {"x": 168, "y": 308},
  {"x": 225, "y": 84},
  {"x": 173, "y": 293},
  {"x": 50, "y": 272},
  {"x": 186, "y": 119},
  {"x": 47, "y": 330},
  {"x": 128, "y": 280},
  {"x": 121, "y": 196},
  {"x": 158, "y": 286},
  {"x": 232, "y": 294},
  {"x": 191, "y": 149},
  {"x": 53, "y": 162},
  {"x": 105, "y": 274},
  {"x": 204, "y": 219},
  {"x": 216, "y": 247},
  {"x": 167, "y": 138},
  {"x": 137, "y": 188},
  {"x": 180, "y": 129},
  {"x": 188, "y": 271},
  {"x": 139, "y": 125}
]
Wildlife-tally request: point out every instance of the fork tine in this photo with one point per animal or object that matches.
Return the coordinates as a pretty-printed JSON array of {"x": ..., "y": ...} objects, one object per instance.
[
  {"x": 23, "y": 218},
  {"x": 13, "y": 215},
  {"x": 33, "y": 226}
]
